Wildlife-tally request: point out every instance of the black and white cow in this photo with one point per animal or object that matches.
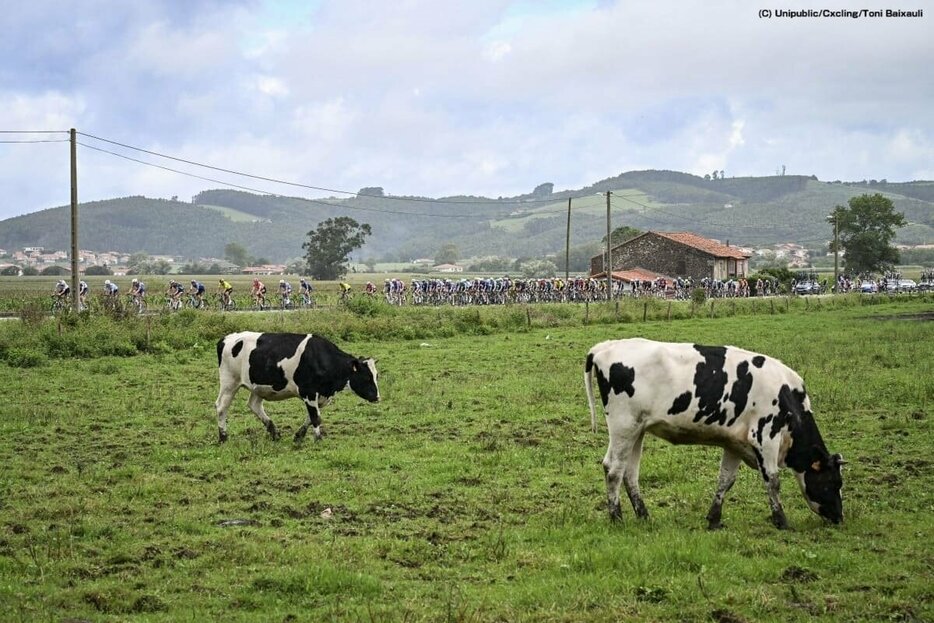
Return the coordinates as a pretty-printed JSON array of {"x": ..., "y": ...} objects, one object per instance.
[
  {"x": 753, "y": 406},
  {"x": 276, "y": 366}
]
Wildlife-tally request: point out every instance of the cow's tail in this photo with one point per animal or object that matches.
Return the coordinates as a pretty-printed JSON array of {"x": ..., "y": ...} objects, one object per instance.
[{"x": 588, "y": 385}]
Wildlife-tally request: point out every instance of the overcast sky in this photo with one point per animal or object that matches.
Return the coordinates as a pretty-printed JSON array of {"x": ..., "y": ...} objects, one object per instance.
[{"x": 439, "y": 97}]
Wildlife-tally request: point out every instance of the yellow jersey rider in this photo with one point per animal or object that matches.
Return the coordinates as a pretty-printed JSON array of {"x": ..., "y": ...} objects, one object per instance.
[{"x": 225, "y": 289}]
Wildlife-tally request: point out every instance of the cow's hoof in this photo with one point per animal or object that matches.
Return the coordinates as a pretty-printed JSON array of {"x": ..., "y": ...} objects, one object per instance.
[
  {"x": 298, "y": 438},
  {"x": 222, "y": 436},
  {"x": 712, "y": 526}
]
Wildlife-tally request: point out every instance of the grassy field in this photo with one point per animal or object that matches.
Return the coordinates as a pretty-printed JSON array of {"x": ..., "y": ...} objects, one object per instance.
[{"x": 473, "y": 492}]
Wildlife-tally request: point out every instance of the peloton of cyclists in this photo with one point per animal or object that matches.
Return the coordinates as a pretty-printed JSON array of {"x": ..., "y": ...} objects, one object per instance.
[{"x": 82, "y": 294}]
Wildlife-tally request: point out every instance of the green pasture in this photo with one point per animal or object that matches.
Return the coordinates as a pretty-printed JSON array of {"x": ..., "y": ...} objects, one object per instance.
[{"x": 472, "y": 492}]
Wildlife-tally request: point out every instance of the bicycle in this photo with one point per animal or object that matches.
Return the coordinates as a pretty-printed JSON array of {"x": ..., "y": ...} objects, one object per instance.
[
  {"x": 138, "y": 302},
  {"x": 59, "y": 304},
  {"x": 260, "y": 303},
  {"x": 194, "y": 302},
  {"x": 172, "y": 304},
  {"x": 307, "y": 301},
  {"x": 286, "y": 302},
  {"x": 226, "y": 302}
]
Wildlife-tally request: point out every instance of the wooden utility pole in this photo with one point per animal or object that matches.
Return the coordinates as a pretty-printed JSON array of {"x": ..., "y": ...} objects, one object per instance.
[
  {"x": 609, "y": 252},
  {"x": 836, "y": 252},
  {"x": 74, "y": 222},
  {"x": 567, "y": 247}
]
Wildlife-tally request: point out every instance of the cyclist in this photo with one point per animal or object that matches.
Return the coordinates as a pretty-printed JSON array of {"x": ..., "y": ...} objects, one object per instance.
[
  {"x": 285, "y": 292},
  {"x": 175, "y": 291},
  {"x": 224, "y": 288},
  {"x": 82, "y": 293},
  {"x": 111, "y": 289},
  {"x": 197, "y": 291},
  {"x": 61, "y": 292},
  {"x": 306, "y": 289},
  {"x": 258, "y": 293},
  {"x": 138, "y": 292},
  {"x": 345, "y": 289}
]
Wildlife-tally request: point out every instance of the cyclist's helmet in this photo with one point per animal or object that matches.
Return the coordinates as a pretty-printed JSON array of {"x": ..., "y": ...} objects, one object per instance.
[
  {"x": 61, "y": 282},
  {"x": 135, "y": 281},
  {"x": 282, "y": 282},
  {"x": 106, "y": 282},
  {"x": 193, "y": 282}
]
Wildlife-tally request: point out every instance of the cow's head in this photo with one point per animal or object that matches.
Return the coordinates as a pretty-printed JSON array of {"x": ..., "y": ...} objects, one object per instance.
[
  {"x": 363, "y": 379},
  {"x": 821, "y": 483}
]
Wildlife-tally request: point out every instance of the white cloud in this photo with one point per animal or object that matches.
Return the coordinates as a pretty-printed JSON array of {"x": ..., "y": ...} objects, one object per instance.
[{"x": 489, "y": 97}]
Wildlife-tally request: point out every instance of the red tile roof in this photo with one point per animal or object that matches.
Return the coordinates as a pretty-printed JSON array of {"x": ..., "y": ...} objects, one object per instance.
[{"x": 704, "y": 244}]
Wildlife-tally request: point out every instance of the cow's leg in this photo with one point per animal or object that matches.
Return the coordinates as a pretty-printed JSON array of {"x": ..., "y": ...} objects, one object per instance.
[
  {"x": 314, "y": 420},
  {"x": 616, "y": 464},
  {"x": 221, "y": 405},
  {"x": 256, "y": 406},
  {"x": 631, "y": 477},
  {"x": 768, "y": 467},
  {"x": 729, "y": 465}
]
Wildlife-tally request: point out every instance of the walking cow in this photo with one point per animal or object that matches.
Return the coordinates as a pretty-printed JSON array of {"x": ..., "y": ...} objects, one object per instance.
[
  {"x": 276, "y": 366},
  {"x": 754, "y": 407}
]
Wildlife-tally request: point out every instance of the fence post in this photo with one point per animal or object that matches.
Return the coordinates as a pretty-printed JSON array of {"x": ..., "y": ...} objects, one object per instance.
[
  {"x": 711, "y": 307},
  {"x": 586, "y": 312},
  {"x": 669, "y": 311},
  {"x": 528, "y": 317},
  {"x": 645, "y": 310},
  {"x": 772, "y": 304}
]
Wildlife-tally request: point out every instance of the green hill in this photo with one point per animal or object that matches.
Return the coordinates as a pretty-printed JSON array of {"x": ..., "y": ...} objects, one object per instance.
[{"x": 744, "y": 210}]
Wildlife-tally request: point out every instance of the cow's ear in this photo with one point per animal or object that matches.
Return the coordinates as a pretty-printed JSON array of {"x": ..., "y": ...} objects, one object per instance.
[
  {"x": 837, "y": 459},
  {"x": 353, "y": 366}
]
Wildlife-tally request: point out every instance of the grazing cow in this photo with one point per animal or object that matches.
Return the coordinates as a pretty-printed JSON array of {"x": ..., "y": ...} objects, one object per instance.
[
  {"x": 751, "y": 405},
  {"x": 276, "y": 366}
]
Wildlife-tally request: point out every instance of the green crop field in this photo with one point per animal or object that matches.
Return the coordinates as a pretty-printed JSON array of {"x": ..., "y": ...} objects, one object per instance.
[{"x": 472, "y": 492}]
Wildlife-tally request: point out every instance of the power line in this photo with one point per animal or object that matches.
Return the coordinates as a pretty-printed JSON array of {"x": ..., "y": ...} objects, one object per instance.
[
  {"x": 309, "y": 186},
  {"x": 33, "y": 131},
  {"x": 58, "y": 140}
]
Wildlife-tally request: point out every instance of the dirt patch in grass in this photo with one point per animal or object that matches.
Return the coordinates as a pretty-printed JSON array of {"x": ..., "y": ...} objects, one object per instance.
[{"x": 798, "y": 574}]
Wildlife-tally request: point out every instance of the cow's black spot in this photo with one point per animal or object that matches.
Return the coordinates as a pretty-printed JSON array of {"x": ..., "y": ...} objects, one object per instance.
[
  {"x": 758, "y": 361},
  {"x": 790, "y": 409},
  {"x": 681, "y": 404},
  {"x": 271, "y": 348},
  {"x": 739, "y": 393},
  {"x": 220, "y": 350},
  {"x": 761, "y": 426},
  {"x": 237, "y": 348},
  {"x": 588, "y": 366},
  {"x": 760, "y": 463},
  {"x": 710, "y": 383},
  {"x": 621, "y": 379},
  {"x": 604, "y": 386},
  {"x": 324, "y": 369}
]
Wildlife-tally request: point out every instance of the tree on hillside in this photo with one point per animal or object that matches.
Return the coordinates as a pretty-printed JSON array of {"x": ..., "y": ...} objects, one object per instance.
[
  {"x": 447, "y": 254},
  {"x": 621, "y": 235},
  {"x": 236, "y": 253},
  {"x": 328, "y": 246},
  {"x": 866, "y": 227}
]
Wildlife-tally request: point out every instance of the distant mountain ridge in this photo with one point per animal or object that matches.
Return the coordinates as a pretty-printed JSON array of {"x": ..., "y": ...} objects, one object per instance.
[{"x": 746, "y": 210}]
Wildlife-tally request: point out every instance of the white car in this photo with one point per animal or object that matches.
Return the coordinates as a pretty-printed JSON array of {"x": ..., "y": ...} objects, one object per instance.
[{"x": 868, "y": 286}]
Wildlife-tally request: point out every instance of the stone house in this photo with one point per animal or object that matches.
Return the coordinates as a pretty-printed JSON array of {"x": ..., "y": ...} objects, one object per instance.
[{"x": 679, "y": 254}]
